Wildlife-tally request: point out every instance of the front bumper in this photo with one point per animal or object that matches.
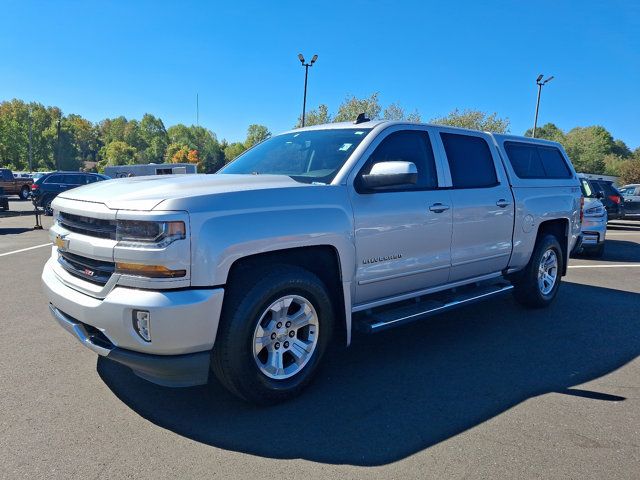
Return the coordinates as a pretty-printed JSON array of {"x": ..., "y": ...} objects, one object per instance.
[
  {"x": 167, "y": 370},
  {"x": 594, "y": 230},
  {"x": 183, "y": 326}
]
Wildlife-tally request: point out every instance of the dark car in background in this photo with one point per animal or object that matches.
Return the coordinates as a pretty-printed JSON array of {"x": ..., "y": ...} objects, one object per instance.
[
  {"x": 608, "y": 194},
  {"x": 631, "y": 194},
  {"x": 48, "y": 186}
]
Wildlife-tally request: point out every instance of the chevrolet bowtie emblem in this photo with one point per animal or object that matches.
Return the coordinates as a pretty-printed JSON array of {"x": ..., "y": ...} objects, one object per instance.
[{"x": 61, "y": 242}]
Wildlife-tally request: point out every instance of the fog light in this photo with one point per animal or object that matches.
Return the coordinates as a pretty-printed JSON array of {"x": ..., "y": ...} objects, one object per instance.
[{"x": 142, "y": 324}]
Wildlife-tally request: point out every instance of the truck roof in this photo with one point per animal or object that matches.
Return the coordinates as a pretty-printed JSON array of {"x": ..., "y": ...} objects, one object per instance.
[{"x": 501, "y": 137}]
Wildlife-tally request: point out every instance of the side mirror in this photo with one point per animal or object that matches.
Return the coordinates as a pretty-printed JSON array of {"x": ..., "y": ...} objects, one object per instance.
[
  {"x": 599, "y": 194},
  {"x": 390, "y": 174}
]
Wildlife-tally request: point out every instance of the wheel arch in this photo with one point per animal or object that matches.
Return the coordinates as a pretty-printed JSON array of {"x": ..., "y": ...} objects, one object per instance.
[{"x": 322, "y": 260}]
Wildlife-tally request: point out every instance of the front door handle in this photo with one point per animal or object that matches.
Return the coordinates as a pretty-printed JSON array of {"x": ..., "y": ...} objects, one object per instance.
[
  {"x": 502, "y": 203},
  {"x": 438, "y": 207}
]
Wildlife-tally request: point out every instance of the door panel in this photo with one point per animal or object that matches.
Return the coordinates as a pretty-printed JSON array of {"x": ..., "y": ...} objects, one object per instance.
[
  {"x": 400, "y": 244},
  {"x": 402, "y": 233},
  {"x": 482, "y": 202},
  {"x": 482, "y": 231}
]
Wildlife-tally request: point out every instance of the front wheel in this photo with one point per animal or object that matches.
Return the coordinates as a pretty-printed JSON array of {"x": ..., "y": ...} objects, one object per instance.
[
  {"x": 273, "y": 333},
  {"x": 48, "y": 210},
  {"x": 538, "y": 284}
]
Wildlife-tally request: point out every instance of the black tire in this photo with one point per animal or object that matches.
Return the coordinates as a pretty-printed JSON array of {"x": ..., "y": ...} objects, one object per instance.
[
  {"x": 24, "y": 193},
  {"x": 526, "y": 287},
  {"x": 249, "y": 295},
  {"x": 46, "y": 205},
  {"x": 596, "y": 252}
]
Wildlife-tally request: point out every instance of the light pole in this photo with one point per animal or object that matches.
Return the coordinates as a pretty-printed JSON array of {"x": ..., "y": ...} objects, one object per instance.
[
  {"x": 58, "y": 144},
  {"x": 541, "y": 83},
  {"x": 306, "y": 74}
]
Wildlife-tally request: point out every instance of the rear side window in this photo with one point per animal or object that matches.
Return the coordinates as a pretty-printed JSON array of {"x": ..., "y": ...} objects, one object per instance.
[
  {"x": 91, "y": 178},
  {"x": 536, "y": 161},
  {"x": 54, "y": 179},
  {"x": 74, "y": 179},
  {"x": 470, "y": 161},
  {"x": 408, "y": 146}
]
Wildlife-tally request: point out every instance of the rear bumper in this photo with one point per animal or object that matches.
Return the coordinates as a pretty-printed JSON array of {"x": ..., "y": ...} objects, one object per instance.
[{"x": 167, "y": 370}]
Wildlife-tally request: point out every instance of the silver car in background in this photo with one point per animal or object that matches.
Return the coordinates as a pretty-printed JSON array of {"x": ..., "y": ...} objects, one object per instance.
[{"x": 594, "y": 223}]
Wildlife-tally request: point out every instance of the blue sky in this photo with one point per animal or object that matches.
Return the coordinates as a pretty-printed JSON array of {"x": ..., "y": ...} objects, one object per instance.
[{"x": 108, "y": 58}]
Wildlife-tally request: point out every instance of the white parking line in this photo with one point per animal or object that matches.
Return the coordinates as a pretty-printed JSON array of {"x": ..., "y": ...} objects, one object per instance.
[
  {"x": 628, "y": 265},
  {"x": 25, "y": 249}
]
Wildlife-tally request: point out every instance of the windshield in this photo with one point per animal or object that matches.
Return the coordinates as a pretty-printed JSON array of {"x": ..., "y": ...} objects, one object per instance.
[{"x": 306, "y": 156}]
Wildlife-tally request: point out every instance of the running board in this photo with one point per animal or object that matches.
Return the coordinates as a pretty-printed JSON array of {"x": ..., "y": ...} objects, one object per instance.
[{"x": 392, "y": 316}]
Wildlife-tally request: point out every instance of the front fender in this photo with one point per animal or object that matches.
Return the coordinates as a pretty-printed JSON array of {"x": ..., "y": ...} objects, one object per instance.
[{"x": 310, "y": 217}]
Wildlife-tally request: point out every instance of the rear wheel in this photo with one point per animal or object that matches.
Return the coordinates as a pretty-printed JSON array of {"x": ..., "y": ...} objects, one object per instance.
[
  {"x": 276, "y": 325},
  {"x": 24, "y": 193},
  {"x": 538, "y": 284}
]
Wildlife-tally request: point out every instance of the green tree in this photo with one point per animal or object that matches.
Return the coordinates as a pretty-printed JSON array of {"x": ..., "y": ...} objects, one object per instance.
[
  {"x": 119, "y": 153},
  {"x": 548, "y": 131},
  {"x": 233, "y": 150},
  {"x": 155, "y": 138},
  {"x": 349, "y": 110},
  {"x": 256, "y": 134},
  {"x": 318, "y": 116},
  {"x": 395, "y": 112},
  {"x": 630, "y": 170},
  {"x": 587, "y": 147},
  {"x": 475, "y": 120}
]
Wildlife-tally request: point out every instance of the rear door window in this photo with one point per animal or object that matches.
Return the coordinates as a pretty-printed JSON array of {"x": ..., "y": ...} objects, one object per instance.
[
  {"x": 54, "y": 179},
  {"x": 536, "y": 161},
  {"x": 470, "y": 161}
]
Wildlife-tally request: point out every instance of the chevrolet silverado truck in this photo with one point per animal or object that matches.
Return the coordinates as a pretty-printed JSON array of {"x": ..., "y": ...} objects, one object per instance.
[
  {"x": 306, "y": 238},
  {"x": 20, "y": 186}
]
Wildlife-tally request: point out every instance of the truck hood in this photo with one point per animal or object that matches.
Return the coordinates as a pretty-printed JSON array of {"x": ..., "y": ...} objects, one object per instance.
[{"x": 146, "y": 193}]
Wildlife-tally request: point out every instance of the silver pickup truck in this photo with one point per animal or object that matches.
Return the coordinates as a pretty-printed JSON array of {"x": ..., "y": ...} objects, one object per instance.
[{"x": 304, "y": 239}]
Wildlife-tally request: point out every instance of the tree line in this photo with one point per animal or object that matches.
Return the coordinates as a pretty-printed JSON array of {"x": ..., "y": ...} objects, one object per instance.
[{"x": 71, "y": 142}]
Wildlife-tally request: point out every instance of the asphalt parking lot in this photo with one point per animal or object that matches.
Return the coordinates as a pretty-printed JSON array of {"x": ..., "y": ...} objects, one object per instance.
[{"x": 490, "y": 391}]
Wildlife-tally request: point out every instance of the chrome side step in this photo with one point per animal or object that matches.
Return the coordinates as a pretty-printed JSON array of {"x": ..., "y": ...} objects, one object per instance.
[{"x": 392, "y": 316}]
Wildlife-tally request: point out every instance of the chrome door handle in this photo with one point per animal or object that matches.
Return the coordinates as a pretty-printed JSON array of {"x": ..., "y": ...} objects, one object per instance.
[
  {"x": 438, "y": 207},
  {"x": 502, "y": 203}
]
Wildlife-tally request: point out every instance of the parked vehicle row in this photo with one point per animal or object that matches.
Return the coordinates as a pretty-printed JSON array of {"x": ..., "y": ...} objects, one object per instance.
[
  {"x": 11, "y": 185},
  {"x": 47, "y": 187}
]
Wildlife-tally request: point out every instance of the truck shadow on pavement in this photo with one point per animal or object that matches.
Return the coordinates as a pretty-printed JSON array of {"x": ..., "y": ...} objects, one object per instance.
[{"x": 397, "y": 393}]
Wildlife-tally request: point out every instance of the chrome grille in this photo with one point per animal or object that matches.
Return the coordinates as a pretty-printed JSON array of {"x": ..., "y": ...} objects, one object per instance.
[
  {"x": 95, "y": 271},
  {"x": 93, "y": 227}
]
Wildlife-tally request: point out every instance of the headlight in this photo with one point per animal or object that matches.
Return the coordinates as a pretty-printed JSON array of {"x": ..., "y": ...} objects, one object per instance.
[
  {"x": 595, "y": 212},
  {"x": 149, "y": 234}
]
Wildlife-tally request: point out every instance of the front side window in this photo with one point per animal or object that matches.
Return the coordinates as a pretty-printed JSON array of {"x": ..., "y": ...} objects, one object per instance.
[
  {"x": 470, "y": 161},
  {"x": 407, "y": 146},
  {"x": 306, "y": 156}
]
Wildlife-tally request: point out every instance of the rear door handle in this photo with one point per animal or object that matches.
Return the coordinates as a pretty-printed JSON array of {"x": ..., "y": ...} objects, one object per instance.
[
  {"x": 502, "y": 203},
  {"x": 438, "y": 207}
]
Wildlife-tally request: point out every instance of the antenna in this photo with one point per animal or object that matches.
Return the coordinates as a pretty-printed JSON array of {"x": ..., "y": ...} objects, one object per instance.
[{"x": 361, "y": 118}]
